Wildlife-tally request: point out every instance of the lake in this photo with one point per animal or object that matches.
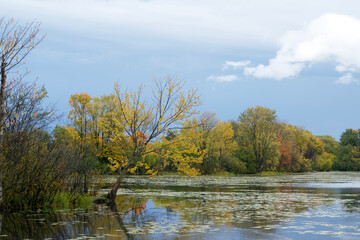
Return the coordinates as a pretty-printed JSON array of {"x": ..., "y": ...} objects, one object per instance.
[{"x": 299, "y": 206}]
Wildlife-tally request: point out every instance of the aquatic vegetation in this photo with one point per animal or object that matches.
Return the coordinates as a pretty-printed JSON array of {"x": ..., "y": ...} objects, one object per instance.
[{"x": 320, "y": 205}]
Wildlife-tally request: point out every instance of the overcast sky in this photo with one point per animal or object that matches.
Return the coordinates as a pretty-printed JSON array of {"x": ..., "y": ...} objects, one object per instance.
[{"x": 298, "y": 57}]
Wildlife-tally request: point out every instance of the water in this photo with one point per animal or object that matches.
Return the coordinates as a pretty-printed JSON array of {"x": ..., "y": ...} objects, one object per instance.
[{"x": 311, "y": 206}]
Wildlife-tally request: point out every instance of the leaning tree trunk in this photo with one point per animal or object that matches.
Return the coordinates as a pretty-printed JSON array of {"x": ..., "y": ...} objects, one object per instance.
[
  {"x": 112, "y": 194},
  {"x": 2, "y": 125}
]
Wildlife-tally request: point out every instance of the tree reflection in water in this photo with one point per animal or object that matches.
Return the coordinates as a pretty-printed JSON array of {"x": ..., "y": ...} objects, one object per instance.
[
  {"x": 248, "y": 210},
  {"x": 97, "y": 221}
]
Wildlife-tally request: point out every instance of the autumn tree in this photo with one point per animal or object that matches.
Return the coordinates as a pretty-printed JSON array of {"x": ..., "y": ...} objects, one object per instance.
[
  {"x": 84, "y": 116},
  {"x": 16, "y": 42},
  {"x": 96, "y": 111},
  {"x": 93, "y": 120},
  {"x": 80, "y": 117},
  {"x": 181, "y": 152},
  {"x": 215, "y": 139},
  {"x": 200, "y": 129},
  {"x": 140, "y": 122},
  {"x": 286, "y": 150},
  {"x": 291, "y": 146},
  {"x": 257, "y": 128}
]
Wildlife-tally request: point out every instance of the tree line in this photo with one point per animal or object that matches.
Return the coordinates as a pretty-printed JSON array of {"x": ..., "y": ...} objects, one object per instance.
[
  {"x": 128, "y": 132},
  {"x": 257, "y": 141}
]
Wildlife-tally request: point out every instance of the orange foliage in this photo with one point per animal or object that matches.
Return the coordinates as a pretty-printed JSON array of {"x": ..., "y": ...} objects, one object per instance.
[
  {"x": 140, "y": 138},
  {"x": 286, "y": 150}
]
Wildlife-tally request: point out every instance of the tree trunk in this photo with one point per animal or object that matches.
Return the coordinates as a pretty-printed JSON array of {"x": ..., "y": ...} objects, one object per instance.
[
  {"x": 85, "y": 183},
  {"x": 112, "y": 194},
  {"x": 2, "y": 125}
]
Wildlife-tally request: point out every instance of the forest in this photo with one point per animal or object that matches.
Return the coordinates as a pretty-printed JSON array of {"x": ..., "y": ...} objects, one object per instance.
[{"x": 131, "y": 133}]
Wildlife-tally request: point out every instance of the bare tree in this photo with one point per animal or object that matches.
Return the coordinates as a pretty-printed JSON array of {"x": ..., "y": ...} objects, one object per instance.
[{"x": 16, "y": 42}]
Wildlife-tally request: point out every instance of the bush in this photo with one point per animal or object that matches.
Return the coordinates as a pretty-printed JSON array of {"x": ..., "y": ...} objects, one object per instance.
[{"x": 236, "y": 166}]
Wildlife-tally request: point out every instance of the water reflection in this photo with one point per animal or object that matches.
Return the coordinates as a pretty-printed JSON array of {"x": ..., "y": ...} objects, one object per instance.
[{"x": 216, "y": 208}]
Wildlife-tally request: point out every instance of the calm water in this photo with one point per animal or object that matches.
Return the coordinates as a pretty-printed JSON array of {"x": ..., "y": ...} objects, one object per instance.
[{"x": 303, "y": 206}]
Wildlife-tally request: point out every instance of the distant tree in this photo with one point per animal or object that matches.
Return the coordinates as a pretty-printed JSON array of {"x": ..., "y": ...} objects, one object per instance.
[
  {"x": 331, "y": 149},
  {"x": 83, "y": 116},
  {"x": 299, "y": 148},
  {"x": 215, "y": 139},
  {"x": 16, "y": 42},
  {"x": 349, "y": 151},
  {"x": 330, "y": 144},
  {"x": 324, "y": 162},
  {"x": 348, "y": 158},
  {"x": 80, "y": 116},
  {"x": 350, "y": 137},
  {"x": 286, "y": 150},
  {"x": 222, "y": 146},
  {"x": 257, "y": 127},
  {"x": 182, "y": 152},
  {"x": 315, "y": 147}
]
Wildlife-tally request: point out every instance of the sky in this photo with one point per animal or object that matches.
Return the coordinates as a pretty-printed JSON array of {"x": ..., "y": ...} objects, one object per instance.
[{"x": 301, "y": 58}]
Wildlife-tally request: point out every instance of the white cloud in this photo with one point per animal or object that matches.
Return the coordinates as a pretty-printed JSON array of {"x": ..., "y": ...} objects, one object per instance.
[
  {"x": 276, "y": 70},
  {"x": 222, "y": 78},
  {"x": 235, "y": 65},
  {"x": 347, "y": 79},
  {"x": 255, "y": 22},
  {"x": 331, "y": 37}
]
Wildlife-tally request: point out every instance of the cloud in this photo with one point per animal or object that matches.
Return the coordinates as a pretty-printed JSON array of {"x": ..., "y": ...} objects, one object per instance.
[
  {"x": 329, "y": 38},
  {"x": 277, "y": 70},
  {"x": 202, "y": 21},
  {"x": 235, "y": 65},
  {"x": 347, "y": 79},
  {"x": 222, "y": 78}
]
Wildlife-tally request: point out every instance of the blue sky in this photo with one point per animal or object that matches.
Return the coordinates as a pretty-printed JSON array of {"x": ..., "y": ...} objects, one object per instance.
[{"x": 298, "y": 57}]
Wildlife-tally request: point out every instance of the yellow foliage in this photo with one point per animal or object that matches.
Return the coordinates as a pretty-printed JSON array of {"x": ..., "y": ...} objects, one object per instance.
[{"x": 137, "y": 123}]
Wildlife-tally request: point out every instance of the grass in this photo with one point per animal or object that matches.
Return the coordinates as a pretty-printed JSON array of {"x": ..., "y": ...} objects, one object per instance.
[{"x": 65, "y": 200}]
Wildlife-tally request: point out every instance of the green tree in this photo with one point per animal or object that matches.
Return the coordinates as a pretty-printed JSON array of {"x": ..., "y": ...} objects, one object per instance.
[
  {"x": 324, "y": 162},
  {"x": 349, "y": 151},
  {"x": 331, "y": 147},
  {"x": 257, "y": 128},
  {"x": 330, "y": 144},
  {"x": 348, "y": 158},
  {"x": 350, "y": 137}
]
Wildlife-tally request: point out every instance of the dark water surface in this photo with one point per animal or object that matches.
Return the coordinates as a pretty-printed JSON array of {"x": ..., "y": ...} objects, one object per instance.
[{"x": 302, "y": 206}]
